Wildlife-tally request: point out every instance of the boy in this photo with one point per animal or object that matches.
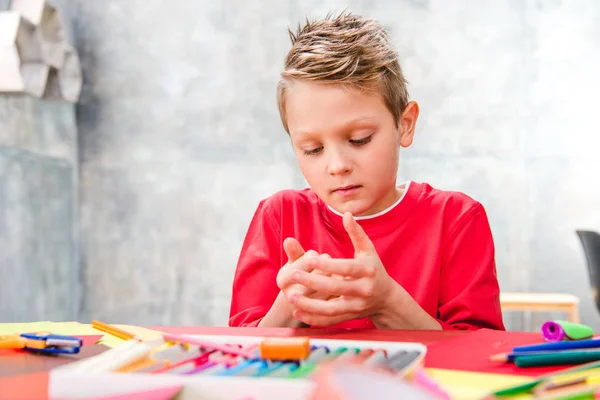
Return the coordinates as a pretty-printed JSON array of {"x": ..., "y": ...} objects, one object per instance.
[{"x": 355, "y": 250}]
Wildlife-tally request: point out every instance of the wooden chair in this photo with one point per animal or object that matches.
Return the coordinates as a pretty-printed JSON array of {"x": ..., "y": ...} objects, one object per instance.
[{"x": 540, "y": 302}]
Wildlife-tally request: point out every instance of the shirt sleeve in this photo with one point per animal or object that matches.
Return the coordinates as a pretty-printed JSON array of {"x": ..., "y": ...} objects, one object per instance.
[
  {"x": 254, "y": 284},
  {"x": 469, "y": 290}
]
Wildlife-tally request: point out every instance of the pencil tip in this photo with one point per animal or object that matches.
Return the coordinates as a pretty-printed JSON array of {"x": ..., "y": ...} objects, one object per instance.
[{"x": 499, "y": 357}]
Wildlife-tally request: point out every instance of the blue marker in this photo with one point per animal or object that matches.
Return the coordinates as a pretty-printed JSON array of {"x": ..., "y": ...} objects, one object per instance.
[
  {"x": 267, "y": 368},
  {"x": 283, "y": 371},
  {"x": 245, "y": 368}
]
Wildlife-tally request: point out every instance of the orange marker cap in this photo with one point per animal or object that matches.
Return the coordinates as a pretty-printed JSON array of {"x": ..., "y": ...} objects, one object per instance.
[{"x": 294, "y": 348}]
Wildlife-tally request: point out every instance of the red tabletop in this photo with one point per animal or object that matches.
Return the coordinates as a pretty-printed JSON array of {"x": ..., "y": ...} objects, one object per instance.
[{"x": 460, "y": 350}]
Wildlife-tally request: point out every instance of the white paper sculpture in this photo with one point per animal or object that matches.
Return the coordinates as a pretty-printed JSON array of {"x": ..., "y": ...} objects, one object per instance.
[{"x": 35, "y": 57}]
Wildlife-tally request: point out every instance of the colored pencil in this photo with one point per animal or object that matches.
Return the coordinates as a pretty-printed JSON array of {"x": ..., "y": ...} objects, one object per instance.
[
  {"x": 563, "y": 345},
  {"x": 529, "y": 386},
  {"x": 510, "y": 357},
  {"x": 113, "y": 330},
  {"x": 558, "y": 358}
]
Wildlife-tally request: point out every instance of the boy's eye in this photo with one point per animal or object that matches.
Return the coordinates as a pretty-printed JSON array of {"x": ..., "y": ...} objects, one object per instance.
[
  {"x": 359, "y": 142},
  {"x": 313, "y": 151}
]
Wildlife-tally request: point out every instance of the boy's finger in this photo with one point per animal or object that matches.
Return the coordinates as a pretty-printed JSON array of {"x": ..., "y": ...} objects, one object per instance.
[
  {"x": 321, "y": 320},
  {"x": 330, "y": 308},
  {"x": 329, "y": 285},
  {"x": 293, "y": 249},
  {"x": 344, "y": 267},
  {"x": 303, "y": 262},
  {"x": 359, "y": 238}
]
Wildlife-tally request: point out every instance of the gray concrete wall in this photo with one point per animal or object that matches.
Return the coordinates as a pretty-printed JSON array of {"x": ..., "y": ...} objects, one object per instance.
[
  {"x": 39, "y": 238},
  {"x": 180, "y": 138},
  {"x": 39, "y": 271}
]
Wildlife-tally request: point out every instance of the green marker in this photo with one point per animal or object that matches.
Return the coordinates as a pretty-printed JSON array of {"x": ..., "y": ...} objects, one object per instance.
[{"x": 311, "y": 363}]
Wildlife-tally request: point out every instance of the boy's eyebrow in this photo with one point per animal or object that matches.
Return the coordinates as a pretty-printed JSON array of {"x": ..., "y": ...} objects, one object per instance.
[
  {"x": 346, "y": 125},
  {"x": 359, "y": 120}
]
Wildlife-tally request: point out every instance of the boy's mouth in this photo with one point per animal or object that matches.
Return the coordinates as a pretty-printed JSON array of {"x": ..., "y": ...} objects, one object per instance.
[{"x": 346, "y": 190}]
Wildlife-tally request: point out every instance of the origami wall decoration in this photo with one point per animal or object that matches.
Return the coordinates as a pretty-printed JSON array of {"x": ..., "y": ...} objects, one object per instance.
[{"x": 35, "y": 57}]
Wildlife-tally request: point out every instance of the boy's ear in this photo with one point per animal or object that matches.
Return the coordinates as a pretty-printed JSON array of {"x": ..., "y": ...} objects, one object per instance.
[{"x": 408, "y": 122}]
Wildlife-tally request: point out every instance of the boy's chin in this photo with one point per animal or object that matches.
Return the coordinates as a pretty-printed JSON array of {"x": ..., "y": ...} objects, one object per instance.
[{"x": 356, "y": 208}]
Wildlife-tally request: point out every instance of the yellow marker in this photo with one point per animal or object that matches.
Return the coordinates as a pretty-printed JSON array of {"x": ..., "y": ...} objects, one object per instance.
[{"x": 292, "y": 348}]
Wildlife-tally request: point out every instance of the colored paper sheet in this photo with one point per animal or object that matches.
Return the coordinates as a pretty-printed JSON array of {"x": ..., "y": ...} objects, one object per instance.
[
  {"x": 58, "y": 328},
  {"x": 11, "y": 328},
  {"x": 77, "y": 329},
  {"x": 474, "y": 385},
  {"x": 25, "y": 387},
  {"x": 17, "y": 362},
  {"x": 472, "y": 352},
  {"x": 87, "y": 340}
]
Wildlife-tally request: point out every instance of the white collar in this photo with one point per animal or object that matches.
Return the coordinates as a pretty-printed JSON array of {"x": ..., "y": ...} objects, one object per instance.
[{"x": 406, "y": 186}]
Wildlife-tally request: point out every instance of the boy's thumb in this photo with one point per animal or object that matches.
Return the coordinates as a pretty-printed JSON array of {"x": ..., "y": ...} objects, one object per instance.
[{"x": 293, "y": 249}]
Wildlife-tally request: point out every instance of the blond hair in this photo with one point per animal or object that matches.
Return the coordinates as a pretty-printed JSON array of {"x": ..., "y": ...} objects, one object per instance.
[{"x": 347, "y": 50}]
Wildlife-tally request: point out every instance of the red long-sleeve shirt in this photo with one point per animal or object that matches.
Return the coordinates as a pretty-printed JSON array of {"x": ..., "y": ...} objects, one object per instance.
[{"x": 436, "y": 244}]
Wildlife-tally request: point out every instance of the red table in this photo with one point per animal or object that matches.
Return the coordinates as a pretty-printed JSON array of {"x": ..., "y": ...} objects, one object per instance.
[{"x": 462, "y": 350}]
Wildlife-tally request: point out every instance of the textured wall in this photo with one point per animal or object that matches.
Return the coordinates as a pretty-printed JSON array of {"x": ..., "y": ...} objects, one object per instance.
[
  {"x": 510, "y": 119},
  {"x": 39, "y": 268},
  {"x": 39, "y": 274},
  {"x": 180, "y": 137}
]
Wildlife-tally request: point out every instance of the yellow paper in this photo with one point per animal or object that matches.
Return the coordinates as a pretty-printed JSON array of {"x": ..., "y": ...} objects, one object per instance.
[
  {"x": 25, "y": 327},
  {"x": 464, "y": 385},
  {"x": 75, "y": 328}
]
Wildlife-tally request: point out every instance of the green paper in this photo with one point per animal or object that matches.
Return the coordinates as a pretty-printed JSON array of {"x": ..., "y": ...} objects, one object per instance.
[
  {"x": 516, "y": 390},
  {"x": 576, "y": 331}
]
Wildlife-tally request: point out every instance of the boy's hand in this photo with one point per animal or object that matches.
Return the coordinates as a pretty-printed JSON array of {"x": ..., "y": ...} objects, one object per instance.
[
  {"x": 363, "y": 293},
  {"x": 298, "y": 259}
]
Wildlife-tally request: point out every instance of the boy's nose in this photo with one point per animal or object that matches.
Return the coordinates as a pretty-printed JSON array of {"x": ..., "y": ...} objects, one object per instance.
[{"x": 338, "y": 164}]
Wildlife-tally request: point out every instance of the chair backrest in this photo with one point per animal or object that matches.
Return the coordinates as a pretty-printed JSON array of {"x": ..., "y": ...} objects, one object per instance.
[{"x": 591, "y": 247}]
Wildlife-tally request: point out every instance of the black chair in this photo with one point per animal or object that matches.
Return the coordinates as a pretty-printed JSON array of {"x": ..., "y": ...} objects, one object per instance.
[{"x": 591, "y": 247}]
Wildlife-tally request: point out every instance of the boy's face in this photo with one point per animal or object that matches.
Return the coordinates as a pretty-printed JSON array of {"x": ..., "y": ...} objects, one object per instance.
[{"x": 347, "y": 144}]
